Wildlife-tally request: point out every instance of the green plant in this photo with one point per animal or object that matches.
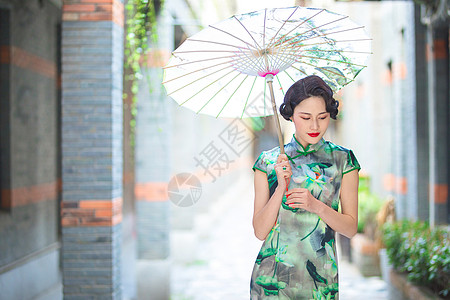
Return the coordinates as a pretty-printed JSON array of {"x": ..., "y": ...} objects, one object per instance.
[
  {"x": 423, "y": 253},
  {"x": 140, "y": 32},
  {"x": 369, "y": 205}
]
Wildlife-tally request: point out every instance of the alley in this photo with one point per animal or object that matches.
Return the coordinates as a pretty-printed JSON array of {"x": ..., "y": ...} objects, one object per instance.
[{"x": 226, "y": 255}]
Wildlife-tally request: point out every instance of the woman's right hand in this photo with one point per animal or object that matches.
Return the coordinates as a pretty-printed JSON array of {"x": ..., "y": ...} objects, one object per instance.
[{"x": 283, "y": 171}]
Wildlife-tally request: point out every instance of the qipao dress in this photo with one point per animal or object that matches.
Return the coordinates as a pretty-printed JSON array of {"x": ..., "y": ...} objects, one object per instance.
[{"x": 298, "y": 258}]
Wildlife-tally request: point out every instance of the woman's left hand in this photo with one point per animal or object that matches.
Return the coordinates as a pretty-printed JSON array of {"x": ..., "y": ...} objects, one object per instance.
[{"x": 302, "y": 198}]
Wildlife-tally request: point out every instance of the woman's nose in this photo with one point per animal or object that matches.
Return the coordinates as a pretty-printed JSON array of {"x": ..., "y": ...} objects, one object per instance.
[{"x": 315, "y": 124}]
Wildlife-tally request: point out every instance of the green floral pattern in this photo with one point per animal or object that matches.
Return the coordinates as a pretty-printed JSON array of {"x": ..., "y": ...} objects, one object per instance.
[{"x": 298, "y": 258}]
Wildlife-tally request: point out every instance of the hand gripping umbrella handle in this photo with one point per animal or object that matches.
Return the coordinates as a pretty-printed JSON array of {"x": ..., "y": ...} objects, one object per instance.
[{"x": 269, "y": 80}]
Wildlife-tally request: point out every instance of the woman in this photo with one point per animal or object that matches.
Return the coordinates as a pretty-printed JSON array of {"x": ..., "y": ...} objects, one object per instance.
[{"x": 297, "y": 198}]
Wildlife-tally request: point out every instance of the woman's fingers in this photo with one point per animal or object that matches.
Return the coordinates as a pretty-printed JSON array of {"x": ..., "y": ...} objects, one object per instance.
[
  {"x": 283, "y": 167},
  {"x": 281, "y": 158},
  {"x": 296, "y": 192},
  {"x": 296, "y": 195}
]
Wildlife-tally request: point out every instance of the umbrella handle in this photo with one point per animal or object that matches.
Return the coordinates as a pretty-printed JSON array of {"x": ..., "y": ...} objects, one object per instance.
[{"x": 269, "y": 80}]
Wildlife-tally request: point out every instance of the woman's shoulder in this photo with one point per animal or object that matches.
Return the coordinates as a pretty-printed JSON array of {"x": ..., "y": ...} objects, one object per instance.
[
  {"x": 345, "y": 155},
  {"x": 332, "y": 147},
  {"x": 271, "y": 155}
]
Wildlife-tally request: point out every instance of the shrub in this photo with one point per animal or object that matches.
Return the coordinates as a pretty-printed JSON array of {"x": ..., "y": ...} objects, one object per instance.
[{"x": 423, "y": 253}]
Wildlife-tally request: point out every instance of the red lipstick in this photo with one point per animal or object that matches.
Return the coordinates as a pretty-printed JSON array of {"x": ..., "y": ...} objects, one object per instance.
[{"x": 313, "y": 134}]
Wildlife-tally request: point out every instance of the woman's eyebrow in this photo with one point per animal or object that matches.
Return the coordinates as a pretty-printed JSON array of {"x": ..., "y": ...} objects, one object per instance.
[{"x": 302, "y": 112}]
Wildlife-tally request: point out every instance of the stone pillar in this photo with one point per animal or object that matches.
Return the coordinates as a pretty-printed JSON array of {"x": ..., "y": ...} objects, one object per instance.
[
  {"x": 438, "y": 57},
  {"x": 91, "y": 208},
  {"x": 421, "y": 114},
  {"x": 152, "y": 172}
]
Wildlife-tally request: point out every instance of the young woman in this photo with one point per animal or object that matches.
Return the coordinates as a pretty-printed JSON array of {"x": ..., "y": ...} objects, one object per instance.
[{"x": 297, "y": 197}]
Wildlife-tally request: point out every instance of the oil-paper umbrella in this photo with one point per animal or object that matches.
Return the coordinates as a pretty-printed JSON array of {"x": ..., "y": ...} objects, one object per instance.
[{"x": 223, "y": 70}]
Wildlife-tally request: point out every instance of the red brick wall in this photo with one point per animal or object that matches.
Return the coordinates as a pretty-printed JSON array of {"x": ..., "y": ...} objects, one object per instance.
[{"x": 94, "y": 10}]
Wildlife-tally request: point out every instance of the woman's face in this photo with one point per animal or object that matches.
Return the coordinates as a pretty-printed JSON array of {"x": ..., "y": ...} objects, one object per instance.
[{"x": 311, "y": 120}]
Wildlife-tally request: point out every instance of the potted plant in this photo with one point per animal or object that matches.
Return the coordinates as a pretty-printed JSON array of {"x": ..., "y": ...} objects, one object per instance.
[{"x": 420, "y": 256}]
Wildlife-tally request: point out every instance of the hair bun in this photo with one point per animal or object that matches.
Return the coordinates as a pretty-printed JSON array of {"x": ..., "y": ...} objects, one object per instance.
[{"x": 286, "y": 111}]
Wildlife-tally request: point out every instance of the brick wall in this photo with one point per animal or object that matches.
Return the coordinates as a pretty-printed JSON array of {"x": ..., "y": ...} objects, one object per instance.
[
  {"x": 152, "y": 169},
  {"x": 91, "y": 210}
]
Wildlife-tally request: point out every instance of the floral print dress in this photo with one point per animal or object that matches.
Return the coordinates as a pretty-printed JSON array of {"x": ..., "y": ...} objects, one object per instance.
[{"x": 298, "y": 258}]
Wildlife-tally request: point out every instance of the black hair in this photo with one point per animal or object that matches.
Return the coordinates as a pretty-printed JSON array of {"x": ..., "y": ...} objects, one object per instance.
[{"x": 308, "y": 87}]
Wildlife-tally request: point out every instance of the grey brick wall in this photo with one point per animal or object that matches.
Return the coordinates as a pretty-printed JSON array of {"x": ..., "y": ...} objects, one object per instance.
[
  {"x": 153, "y": 132},
  {"x": 92, "y": 159},
  {"x": 91, "y": 262}
]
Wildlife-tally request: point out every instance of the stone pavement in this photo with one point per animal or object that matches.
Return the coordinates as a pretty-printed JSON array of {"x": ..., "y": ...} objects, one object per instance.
[{"x": 225, "y": 257}]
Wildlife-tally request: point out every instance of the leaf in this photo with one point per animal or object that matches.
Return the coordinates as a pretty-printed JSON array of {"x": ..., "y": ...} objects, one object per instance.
[
  {"x": 264, "y": 254},
  {"x": 313, "y": 272},
  {"x": 270, "y": 284}
]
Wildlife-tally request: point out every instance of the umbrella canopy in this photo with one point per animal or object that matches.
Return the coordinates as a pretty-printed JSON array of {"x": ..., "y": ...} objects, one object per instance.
[{"x": 222, "y": 70}]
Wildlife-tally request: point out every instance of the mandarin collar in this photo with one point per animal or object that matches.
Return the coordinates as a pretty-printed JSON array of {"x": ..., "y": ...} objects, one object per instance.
[{"x": 311, "y": 148}]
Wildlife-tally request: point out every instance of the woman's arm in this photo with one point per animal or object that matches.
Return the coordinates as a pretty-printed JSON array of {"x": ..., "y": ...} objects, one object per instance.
[
  {"x": 266, "y": 210},
  {"x": 345, "y": 222}
]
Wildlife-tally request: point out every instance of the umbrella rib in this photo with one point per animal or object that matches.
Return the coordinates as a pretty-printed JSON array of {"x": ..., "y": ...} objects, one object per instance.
[
  {"x": 327, "y": 34},
  {"x": 218, "y": 43},
  {"x": 282, "y": 54},
  {"x": 300, "y": 46},
  {"x": 289, "y": 76},
  {"x": 327, "y": 71},
  {"x": 284, "y": 23},
  {"x": 288, "y": 52},
  {"x": 279, "y": 82},
  {"x": 202, "y": 69},
  {"x": 311, "y": 29},
  {"x": 258, "y": 65},
  {"x": 207, "y": 102},
  {"x": 264, "y": 34},
  {"x": 339, "y": 61},
  {"x": 301, "y": 71},
  {"x": 343, "y": 41},
  {"x": 226, "y": 32},
  {"x": 203, "y": 51},
  {"x": 201, "y": 90},
  {"x": 258, "y": 46},
  {"x": 207, "y": 75},
  {"x": 304, "y": 21},
  {"x": 327, "y": 42},
  {"x": 197, "y": 61},
  {"x": 337, "y": 51},
  {"x": 288, "y": 45},
  {"x": 231, "y": 95},
  {"x": 248, "y": 97}
]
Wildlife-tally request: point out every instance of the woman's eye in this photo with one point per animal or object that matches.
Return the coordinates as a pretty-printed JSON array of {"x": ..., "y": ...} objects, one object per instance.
[
  {"x": 305, "y": 118},
  {"x": 323, "y": 118}
]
